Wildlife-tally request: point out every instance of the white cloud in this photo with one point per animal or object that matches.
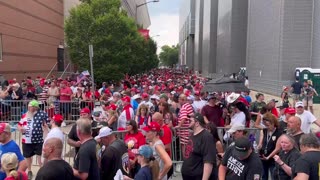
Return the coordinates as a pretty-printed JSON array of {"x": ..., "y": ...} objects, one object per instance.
[{"x": 167, "y": 27}]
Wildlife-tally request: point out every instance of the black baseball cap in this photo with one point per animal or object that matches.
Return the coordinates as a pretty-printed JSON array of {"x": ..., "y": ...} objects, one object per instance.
[
  {"x": 198, "y": 117},
  {"x": 241, "y": 147}
]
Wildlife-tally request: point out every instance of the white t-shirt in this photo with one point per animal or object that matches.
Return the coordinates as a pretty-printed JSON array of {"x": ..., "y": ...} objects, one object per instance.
[
  {"x": 123, "y": 119},
  {"x": 238, "y": 118},
  {"x": 55, "y": 133},
  {"x": 198, "y": 105},
  {"x": 307, "y": 118}
]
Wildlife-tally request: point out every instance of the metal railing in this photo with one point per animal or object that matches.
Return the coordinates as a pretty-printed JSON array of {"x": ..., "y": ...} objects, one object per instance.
[{"x": 11, "y": 110}]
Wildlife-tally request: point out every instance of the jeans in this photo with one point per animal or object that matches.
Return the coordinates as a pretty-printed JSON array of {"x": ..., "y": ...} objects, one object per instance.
[{"x": 268, "y": 166}]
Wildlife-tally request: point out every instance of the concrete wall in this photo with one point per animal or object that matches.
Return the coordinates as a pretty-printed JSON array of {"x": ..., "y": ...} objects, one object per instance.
[
  {"x": 209, "y": 44},
  {"x": 198, "y": 36},
  {"x": 31, "y": 32},
  {"x": 232, "y": 35},
  {"x": 279, "y": 40}
]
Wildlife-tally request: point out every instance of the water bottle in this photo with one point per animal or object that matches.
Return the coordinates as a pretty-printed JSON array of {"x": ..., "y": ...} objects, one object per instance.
[{"x": 255, "y": 147}]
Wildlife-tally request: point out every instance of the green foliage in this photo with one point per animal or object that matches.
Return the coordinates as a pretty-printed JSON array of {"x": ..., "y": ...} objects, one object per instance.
[
  {"x": 117, "y": 45},
  {"x": 169, "y": 55}
]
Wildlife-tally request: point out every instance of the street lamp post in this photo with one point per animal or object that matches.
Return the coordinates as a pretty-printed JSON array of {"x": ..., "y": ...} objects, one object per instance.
[{"x": 137, "y": 6}]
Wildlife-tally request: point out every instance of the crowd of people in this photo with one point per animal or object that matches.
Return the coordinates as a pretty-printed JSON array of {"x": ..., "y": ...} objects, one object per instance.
[{"x": 140, "y": 127}]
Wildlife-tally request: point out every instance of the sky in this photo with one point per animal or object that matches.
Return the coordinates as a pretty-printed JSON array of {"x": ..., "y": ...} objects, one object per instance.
[{"x": 164, "y": 17}]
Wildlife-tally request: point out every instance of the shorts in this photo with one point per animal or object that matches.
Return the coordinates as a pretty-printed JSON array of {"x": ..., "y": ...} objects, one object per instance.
[
  {"x": 309, "y": 103},
  {"x": 296, "y": 96},
  {"x": 30, "y": 150}
]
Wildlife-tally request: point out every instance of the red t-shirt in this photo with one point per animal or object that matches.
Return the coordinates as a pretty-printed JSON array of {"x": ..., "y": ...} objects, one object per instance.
[
  {"x": 66, "y": 90},
  {"x": 134, "y": 141},
  {"x": 275, "y": 112},
  {"x": 167, "y": 137}
]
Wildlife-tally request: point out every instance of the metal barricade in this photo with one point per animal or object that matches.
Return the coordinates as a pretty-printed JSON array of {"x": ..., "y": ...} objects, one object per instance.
[{"x": 11, "y": 110}]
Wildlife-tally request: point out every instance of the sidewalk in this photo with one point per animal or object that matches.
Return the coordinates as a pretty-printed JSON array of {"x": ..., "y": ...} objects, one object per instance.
[{"x": 268, "y": 97}]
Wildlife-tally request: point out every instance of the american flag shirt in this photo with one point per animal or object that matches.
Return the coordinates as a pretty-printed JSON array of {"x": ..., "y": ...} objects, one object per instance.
[{"x": 33, "y": 127}]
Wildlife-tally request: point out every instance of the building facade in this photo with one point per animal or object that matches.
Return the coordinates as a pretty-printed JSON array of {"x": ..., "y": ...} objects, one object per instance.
[
  {"x": 32, "y": 31},
  {"x": 282, "y": 35},
  {"x": 219, "y": 37}
]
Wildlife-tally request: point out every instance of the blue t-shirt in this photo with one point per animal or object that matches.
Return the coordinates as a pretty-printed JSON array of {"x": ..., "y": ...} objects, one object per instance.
[
  {"x": 144, "y": 174},
  {"x": 12, "y": 147}
]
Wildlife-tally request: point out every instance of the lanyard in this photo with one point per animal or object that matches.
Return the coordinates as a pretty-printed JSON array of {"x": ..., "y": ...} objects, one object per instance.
[{"x": 269, "y": 136}]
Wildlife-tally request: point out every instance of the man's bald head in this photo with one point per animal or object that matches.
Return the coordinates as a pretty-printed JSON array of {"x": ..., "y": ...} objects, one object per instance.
[
  {"x": 294, "y": 124},
  {"x": 158, "y": 117},
  {"x": 53, "y": 148}
]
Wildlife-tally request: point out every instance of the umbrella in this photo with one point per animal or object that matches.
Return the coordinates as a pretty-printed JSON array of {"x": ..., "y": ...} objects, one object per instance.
[{"x": 225, "y": 84}]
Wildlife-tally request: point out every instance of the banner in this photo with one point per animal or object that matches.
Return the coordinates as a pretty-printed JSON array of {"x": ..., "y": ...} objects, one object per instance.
[
  {"x": 144, "y": 33},
  {"x": 83, "y": 76}
]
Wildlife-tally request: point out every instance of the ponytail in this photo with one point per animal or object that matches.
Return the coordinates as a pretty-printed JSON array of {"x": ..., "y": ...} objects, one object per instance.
[
  {"x": 14, "y": 173},
  {"x": 154, "y": 166}
]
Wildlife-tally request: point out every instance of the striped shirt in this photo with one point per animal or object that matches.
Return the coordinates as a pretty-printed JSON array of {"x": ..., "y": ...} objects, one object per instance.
[
  {"x": 42, "y": 93},
  {"x": 184, "y": 133}
]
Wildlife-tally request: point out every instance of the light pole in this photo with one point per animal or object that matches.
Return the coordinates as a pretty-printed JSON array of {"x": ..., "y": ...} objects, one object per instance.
[
  {"x": 155, "y": 36},
  {"x": 137, "y": 6}
]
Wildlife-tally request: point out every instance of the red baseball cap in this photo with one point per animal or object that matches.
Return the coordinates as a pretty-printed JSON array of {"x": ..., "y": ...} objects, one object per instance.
[
  {"x": 290, "y": 110},
  {"x": 145, "y": 95},
  {"x": 126, "y": 99},
  {"x": 112, "y": 107},
  {"x": 154, "y": 126},
  {"x": 85, "y": 111},
  {"x": 58, "y": 118},
  {"x": 5, "y": 127}
]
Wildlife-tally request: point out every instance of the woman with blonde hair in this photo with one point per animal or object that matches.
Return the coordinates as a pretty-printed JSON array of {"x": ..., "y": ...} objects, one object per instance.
[
  {"x": 9, "y": 164},
  {"x": 153, "y": 133},
  {"x": 142, "y": 117},
  {"x": 149, "y": 165}
]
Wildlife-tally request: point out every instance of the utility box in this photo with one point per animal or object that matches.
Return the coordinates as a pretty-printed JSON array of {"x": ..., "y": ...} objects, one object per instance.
[{"x": 305, "y": 74}]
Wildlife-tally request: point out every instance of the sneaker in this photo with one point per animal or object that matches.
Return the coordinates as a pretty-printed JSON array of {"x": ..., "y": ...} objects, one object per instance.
[{"x": 30, "y": 175}]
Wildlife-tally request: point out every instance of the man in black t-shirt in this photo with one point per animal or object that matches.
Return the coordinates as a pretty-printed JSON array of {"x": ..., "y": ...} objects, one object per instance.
[
  {"x": 296, "y": 91},
  {"x": 114, "y": 157},
  {"x": 240, "y": 162},
  {"x": 55, "y": 168},
  {"x": 199, "y": 157},
  {"x": 308, "y": 165},
  {"x": 85, "y": 162}
]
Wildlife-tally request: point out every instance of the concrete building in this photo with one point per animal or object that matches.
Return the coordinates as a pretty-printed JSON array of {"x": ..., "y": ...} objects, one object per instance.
[
  {"x": 187, "y": 29},
  {"x": 32, "y": 31},
  {"x": 282, "y": 35},
  {"x": 218, "y": 43}
]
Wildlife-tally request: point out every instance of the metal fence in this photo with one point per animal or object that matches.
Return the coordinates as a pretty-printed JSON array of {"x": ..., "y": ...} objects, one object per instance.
[{"x": 11, "y": 110}]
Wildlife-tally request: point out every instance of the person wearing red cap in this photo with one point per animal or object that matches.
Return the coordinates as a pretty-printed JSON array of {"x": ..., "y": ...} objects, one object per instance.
[
  {"x": 288, "y": 112},
  {"x": 127, "y": 114},
  {"x": 146, "y": 101},
  {"x": 55, "y": 131},
  {"x": 73, "y": 139},
  {"x": 112, "y": 116},
  {"x": 153, "y": 133}
]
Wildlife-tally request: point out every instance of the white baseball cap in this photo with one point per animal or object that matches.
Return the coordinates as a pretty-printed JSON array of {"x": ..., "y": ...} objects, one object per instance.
[
  {"x": 104, "y": 132},
  {"x": 236, "y": 127},
  {"x": 299, "y": 104},
  {"x": 137, "y": 96}
]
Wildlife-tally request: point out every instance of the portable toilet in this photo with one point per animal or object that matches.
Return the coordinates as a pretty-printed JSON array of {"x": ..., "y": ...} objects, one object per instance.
[{"x": 305, "y": 74}]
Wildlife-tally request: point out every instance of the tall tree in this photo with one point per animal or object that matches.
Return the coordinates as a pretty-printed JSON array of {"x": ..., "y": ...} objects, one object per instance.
[
  {"x": 118, "y": 47},
  {"x": 169, "y": 55}
]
